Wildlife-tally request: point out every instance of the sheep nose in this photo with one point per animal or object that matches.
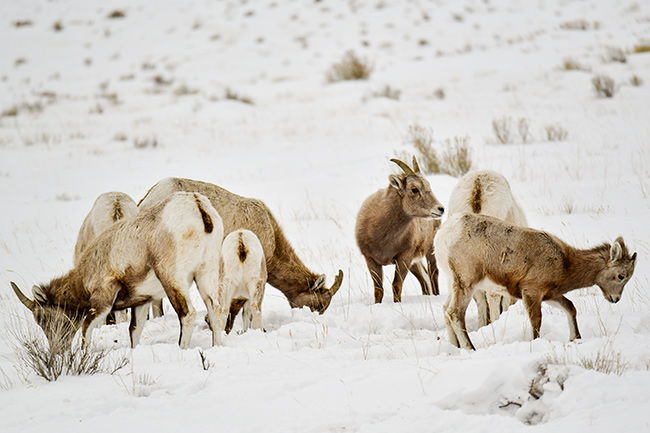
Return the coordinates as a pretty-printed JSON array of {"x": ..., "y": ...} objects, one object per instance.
[
  {"x": 614, "y": 298},
  {"x": 441, "y": 209}
]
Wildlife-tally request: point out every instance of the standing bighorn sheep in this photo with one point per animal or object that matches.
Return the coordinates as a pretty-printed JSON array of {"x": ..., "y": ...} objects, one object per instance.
[
  {"x": 286, "y": 272},
  {"x": 396, "y": 225},
  {"x": 107, "y": 209},
  {"x": 157, "y": 252},
  {"x": 488, "y": 193},
  {"x": 242, "y": 277},
  {"x": 528, "y": 264}
]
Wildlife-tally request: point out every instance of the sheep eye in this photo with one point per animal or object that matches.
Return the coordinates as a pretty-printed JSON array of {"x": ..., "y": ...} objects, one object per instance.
[
  {"x": 415, "y": 190},
  {"x": 620, "y": 277}
]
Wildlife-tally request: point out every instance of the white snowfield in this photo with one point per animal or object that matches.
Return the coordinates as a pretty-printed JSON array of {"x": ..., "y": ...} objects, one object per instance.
[{"x": 90, "y": 104}]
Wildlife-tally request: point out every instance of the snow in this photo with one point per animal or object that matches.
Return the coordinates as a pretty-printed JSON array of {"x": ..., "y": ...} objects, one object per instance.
[{"x": 91, "y": 118}]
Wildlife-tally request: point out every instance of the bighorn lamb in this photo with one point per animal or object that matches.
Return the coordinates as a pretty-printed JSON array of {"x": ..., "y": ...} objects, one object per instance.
[
  {"x": 528, "y": 264},
  {"x": 157, "y": 252},
  {"x": 108, "y": 208},
  {"x": 396, "y": 225},
  {"x": 488, "y": 193},
  {"x": 242, "y": 277},
  {"x": 286, "y": 272}
]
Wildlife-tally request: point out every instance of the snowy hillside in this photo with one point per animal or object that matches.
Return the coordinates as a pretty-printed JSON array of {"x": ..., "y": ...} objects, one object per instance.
[{"x": 114, "y": 96}]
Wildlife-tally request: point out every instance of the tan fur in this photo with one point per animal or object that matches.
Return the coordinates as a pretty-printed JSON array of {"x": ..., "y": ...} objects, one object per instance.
[
  {"x": 110, "y": 273},
  {"x": 488, "y": 193},
  {"x": 286, "y": 271},
  {"x": 531, "y": 265},
  {"x": 396, "y": 225}
]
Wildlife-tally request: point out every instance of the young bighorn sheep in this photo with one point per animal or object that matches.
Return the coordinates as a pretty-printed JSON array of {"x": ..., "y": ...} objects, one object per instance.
[
  {"x": 157, "y": 252},
  {"x": 242, "y": 276},
  {"x": 286, "y": 271},
  {"x": 528, "y": 264},
  {"x": 488, "y": 193},
  {"x": 396, "y": 225},
  {"x": 108, "y": 208}
]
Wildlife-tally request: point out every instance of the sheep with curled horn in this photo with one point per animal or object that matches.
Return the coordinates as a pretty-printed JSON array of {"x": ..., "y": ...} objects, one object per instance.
[
  {"x": 396, "y": 226},
  {"x": 286, "y": 271},
  {"x": 157, "y": 252}
]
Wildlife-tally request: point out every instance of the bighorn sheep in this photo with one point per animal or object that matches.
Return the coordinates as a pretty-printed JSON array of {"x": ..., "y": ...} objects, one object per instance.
[
  {"x": 488, "y": 193},
  {"x": 108, "y": 208},
  {"x": 157, "y": 252},
  {"x": 242, "y": 277},
  {"x": 286, "y": 272},
  {"x": 396, "y": 225},
  {"x": 528, "y": 264}
]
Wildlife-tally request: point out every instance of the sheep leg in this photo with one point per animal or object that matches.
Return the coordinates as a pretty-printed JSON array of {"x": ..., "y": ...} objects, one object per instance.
[
  {"x": 377, "y": 275},
  {"x": 138, "y": 319},
  {"x": 157, "y": 308},
  {"x": 177, "y": 292},
  {"x": 455, "y": 309},
  {"x": 401, "y": 270},
  {"x": 235, "y": 306},
  {"x": 483, "y": 311},
  {"x": 533, "y": 306},
  {"x": 566, "y": 305},
  {"x": 207, "y": 282},
  {"x": 417, "y": 268},
  {"x": 101, "y": 303},
  {"x": 252, "y": 313},
  {"x": 433, "y": 272},
  {"x": 494, "y": 301}
]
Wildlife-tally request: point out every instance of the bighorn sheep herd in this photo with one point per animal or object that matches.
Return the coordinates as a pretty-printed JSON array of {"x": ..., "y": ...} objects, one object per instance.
[{"x": 128, "y": 257}]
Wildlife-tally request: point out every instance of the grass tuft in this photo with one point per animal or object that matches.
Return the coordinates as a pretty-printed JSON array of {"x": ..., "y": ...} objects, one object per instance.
[{"x": 351, "y": 67}]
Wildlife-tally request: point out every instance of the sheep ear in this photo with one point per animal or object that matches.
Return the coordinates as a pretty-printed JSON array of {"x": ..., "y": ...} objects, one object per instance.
[
  {"x": 395, "y": 181},
  {"x": 39, "y": 294},
  {"x": 634, "y": 256},
  {"x": 616, "y": 251},
  {"x": 320, "y": 282}
]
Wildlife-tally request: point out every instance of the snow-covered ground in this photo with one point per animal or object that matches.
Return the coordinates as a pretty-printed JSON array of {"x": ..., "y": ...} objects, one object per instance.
[{"x": 90, "y": 104}]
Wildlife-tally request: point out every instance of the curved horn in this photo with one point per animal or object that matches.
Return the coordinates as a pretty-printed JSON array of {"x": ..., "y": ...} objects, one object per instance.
[
  {"x": 337, "y": 283},
  {"x": 407, "y": 170},
  {"x": 416, "y": 167},
  {"x": 24, "y": 299}
]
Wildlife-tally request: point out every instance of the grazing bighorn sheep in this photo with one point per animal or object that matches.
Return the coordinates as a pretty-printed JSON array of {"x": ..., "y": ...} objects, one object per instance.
[
  {"x": 528, "y": 264},
  {"x": 488, "y": 193},
  {"x": 286, "y": 272},
  {"x": 108, "y": 208},
  {"x": 396, "y": 225},
  {"x": 157, "y": 252},
  {"x": 242, "y": 277}
]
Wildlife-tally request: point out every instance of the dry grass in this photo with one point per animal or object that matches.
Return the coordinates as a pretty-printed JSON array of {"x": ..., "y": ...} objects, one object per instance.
[
  {"x": 351, "y": 67},
  {"x": 555, "y": 132},
  {"x": 50, "y": 361},
  {"x": 453, "y": 156},
  {"x": 641, "y": 48},
  {"x": 604, "y": 86},
  {"x": 502, "y": 129}
]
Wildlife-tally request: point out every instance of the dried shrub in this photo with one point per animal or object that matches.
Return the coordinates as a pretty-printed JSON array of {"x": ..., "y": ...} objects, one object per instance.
[
  {"x": 636, "y": 81},
  {"x": 234, "y": 96},
  {"x": 57, "y": 26},
  {"x": 116, "y": 14},
  {"x": 351, "y": 67},
  {"x": 23, "y": 23},
  {"x": 453, "y": 156},
  {"x": 555, "y": 133},
  {"x": 641, "y": 48},
  {"x": 502, "y": 129},
  {"x": 604, "y": 86},
  {"x": 523, "y": 128},
  {"x": 569, "y": 64},
  {"x": 580, "y": 25},
  {"x": 184, "y": 90},
  {"x": 51, "y": 361},
  {"x": 145, "y": 142},
  {"x": 387, "y": 92},
  {"x": 615, "y": 54}
]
